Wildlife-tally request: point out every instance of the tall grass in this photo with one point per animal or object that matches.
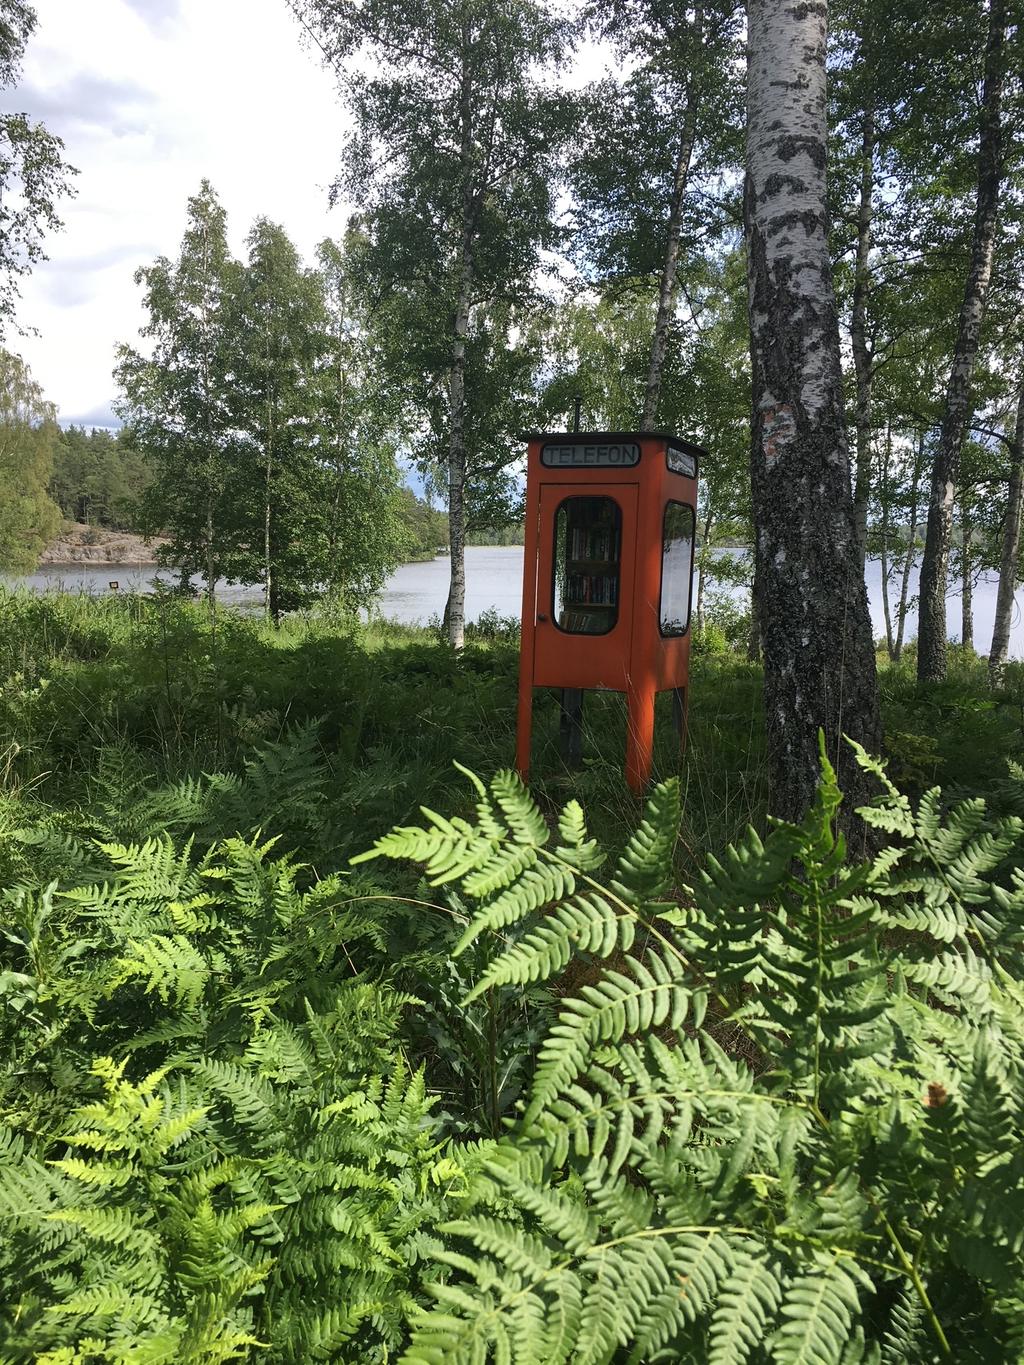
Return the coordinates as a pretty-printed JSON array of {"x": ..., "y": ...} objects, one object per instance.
[{"x": 391, "y": 708}]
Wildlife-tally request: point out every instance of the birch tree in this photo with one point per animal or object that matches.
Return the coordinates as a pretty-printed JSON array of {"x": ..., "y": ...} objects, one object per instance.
[
  {"x": 810, "y": 595},
  {"x": 278, "y": 326},
  {"x": 931, "y": 643},
  {"x": 28, "y": 439},
  {"x": 653, "y": 151},
  {"x": 856, "y": 98},
  {"x": 33, "y": 173},
  {"x": 453, "y": 159},
  {"x": 175, "y": 394},
  {"x": 358, "y": 432},
  {"x": 1010, "y": 545}
]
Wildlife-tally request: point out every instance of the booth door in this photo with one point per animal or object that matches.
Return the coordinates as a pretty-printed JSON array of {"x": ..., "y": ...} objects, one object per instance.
[{"x": 585, "y": 584}]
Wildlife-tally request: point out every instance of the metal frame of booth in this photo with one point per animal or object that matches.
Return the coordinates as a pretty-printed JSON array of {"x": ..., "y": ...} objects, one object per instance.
[{"x": 604, "y": 575}]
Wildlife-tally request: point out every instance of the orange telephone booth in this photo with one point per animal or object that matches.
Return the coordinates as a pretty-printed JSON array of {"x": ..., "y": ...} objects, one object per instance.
[{"x": 607, "y": 574}]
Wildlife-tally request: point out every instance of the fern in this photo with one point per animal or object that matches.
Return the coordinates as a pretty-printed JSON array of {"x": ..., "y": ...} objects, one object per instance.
[{"x": 847, "y": 1183}]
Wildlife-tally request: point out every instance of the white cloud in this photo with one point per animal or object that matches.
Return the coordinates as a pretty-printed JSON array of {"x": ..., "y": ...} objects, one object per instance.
[{"x": 150, "y": 96}]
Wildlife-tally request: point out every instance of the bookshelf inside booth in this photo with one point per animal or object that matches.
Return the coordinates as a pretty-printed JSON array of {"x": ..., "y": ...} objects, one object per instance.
[{"x": 588, "y": 548}]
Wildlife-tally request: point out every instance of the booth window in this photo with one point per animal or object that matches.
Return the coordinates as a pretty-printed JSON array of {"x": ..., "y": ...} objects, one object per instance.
[
  {"x": 676, "y": 568},
  {"x": 588, "y": 548}
]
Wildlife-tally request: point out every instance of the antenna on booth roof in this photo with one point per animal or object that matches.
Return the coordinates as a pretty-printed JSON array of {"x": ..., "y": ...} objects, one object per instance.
[{"x": 577, "y": 403}]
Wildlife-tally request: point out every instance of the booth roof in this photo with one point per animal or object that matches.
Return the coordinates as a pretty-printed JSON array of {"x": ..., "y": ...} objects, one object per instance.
[{"x": 680, "y": 442}]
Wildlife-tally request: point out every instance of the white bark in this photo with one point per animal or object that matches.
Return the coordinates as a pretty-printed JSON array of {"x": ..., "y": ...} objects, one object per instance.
[
  {"x": 908, "y": 563},
  {"x": 931, "y": 640},
  {"x": 1011, "y": 545},
  {"x": 863, "y": 360},
  {"x": 811, "y": 598},
  {"x": 456, "y": 609}
]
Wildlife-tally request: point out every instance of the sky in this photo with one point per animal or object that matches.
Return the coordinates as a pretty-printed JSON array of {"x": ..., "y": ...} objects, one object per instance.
[{"x": 150, "y": 96}]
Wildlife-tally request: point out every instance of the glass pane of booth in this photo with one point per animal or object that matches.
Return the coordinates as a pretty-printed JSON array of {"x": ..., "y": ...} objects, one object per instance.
[
  {"x": 588, "y": 546},
  {"x": 676, "y": 568}
]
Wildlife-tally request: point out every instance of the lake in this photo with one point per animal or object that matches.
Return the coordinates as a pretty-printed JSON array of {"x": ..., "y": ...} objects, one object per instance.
[{"x": 494, "y": 576}]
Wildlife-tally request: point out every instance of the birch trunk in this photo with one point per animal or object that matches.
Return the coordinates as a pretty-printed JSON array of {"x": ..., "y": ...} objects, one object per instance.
[
  {"x": 337, "y": 521},
  {"x": 668, "y": 289},
  {"x": 819, "y": 660},
  {"x": 211, "y": 566},
  {"x": 931, "y": 643},
  {"x": 209, "y": 457},
  {"x": 268, "y": 469},
  {"x": 1011, "y": 545},
  {"x": 862, "y": 358},
  {"x": 886, "y": 492},
  {"x": 456, "y": 609},
  {"x": 908, "y": 563},
  {"x": 967, "y": 560},
  {"x": 754, "y": 636},
  {"x": 702, "y": 561}
]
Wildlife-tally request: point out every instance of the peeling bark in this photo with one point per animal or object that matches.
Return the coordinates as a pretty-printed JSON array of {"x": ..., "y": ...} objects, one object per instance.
[
  {"x": 862, "y": 357},
  {"x": 931, "y": 640},
  {"x": 1011, "y": 545},
  {"x": 811, "y": 598},
  {"x": 668, "y": 289}
]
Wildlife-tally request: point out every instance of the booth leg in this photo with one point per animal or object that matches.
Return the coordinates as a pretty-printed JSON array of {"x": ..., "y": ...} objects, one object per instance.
[
  {"x": 679, "y": 703},
  {"x": 639, "y": 738},
  {"x": 570, "y": 726},
  {"x": 524, "y": 726}
]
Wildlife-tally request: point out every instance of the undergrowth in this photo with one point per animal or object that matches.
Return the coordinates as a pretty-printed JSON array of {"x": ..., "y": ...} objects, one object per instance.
[{"x": 259, "y": 1100}]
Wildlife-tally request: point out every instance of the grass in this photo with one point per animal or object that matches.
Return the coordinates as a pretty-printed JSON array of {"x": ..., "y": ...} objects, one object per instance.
[{"x": 392, "y": 707}]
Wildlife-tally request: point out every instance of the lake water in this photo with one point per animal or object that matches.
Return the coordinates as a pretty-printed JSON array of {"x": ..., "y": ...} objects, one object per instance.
[{"x": 494, "y": 578}]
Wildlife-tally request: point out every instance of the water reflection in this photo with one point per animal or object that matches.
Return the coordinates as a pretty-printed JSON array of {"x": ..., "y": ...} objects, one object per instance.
[{"x": 494, "y": 575}]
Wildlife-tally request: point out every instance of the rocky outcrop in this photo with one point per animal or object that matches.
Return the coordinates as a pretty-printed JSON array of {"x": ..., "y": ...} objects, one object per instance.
[{"x": 80, "y": 544}]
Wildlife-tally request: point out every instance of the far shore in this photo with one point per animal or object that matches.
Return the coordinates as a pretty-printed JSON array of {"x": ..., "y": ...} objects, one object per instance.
[{"x": 79, "y": 545}]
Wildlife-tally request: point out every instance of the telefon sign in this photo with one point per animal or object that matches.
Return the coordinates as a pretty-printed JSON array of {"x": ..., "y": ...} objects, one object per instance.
[{"x": 578, "y": 455}]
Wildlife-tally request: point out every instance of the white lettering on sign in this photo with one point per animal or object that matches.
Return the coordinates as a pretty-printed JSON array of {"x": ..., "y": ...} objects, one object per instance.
[
  {"x": 682, "y": 463},
  {"x": 576, "y": 456}
]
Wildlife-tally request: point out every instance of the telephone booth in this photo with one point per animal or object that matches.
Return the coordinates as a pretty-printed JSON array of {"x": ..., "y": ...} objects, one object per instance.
[{"x": 607, "y": 575}]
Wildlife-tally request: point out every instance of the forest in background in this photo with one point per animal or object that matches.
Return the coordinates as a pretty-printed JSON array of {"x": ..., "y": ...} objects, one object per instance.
[
  {"x": 606, "y": 255},
  {"x": 550, "y": 1077}
]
